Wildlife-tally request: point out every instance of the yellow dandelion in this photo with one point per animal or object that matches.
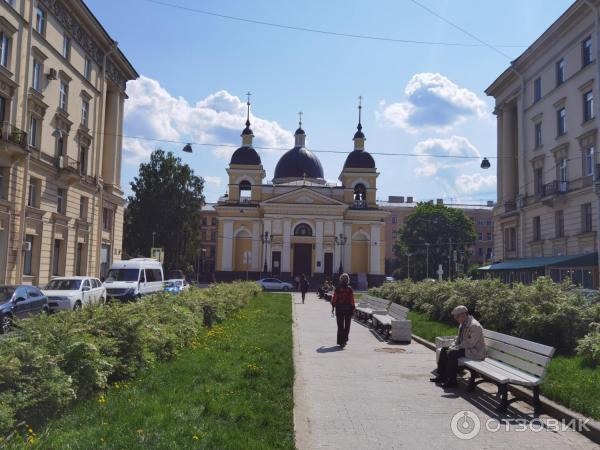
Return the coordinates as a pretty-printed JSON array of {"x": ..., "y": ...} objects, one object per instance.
[
  {"x": 196, "y": 437},
  {"x": 140, "y": 430}
]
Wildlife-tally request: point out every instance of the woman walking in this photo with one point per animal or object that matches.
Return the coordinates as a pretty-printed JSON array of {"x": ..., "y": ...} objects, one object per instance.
[
  {"x": 303, "y": 286},
  {"x": 343, "y": 304}
]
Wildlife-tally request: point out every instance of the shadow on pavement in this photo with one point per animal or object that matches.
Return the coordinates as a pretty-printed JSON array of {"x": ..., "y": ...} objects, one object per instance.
[{"x": 335, "y": 348}]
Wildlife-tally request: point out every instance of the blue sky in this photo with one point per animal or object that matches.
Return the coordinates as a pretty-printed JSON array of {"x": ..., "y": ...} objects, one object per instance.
[{"x": 418, "y": 99}]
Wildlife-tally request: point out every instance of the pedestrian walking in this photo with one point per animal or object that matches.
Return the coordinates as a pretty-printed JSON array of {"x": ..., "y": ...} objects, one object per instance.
[
  {"x": 343, "y": 305},
  {"x": 303, "y": 286},
  {"x": 297, "y": 282}
]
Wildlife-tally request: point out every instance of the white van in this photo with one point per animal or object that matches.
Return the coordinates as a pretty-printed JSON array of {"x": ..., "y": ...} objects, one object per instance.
[{"x": 128, "y": 280}]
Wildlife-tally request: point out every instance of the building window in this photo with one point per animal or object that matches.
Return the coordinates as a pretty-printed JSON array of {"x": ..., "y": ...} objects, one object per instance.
[
  {"x": 63, "y": 96},
  {"x": 586, "y": 51},
  {"x": 562, "y": 170},
  {"x": 37, "y": 75},
  {"x": 213, "y": 235},
  {"x": 480, "y": 236},
  {"x": 27, "y": 260},
  {"x": 33, "y": 196},
  {"x": 480, "y": 252},
  {"x": 394, "y": 219},
  {"x": 589, "y": 162},
  {"x": 489, "y": 236},
  {"x": 537, "y": 228},
  {"x": 588, "y": 106},
  {"x": 106, "y": 219},
  {"x": 87, "y": 68},
  {"x": 561, "y": 121},
  {"x": 60, "y": 144},
  {"x": 66, "y": 50},
  {"x": 245, "y": 191},
  {"x": 33, "y": 132},
  {"x": 79, "y": 259},
  {"x": 586, "y": 218},
  {"x": 40, "y": 20},
  {"x": 60, "y": 201},
  {"x": 56, "y": 258},
  {"x": 510, "y": 239},
  {"x": 85, "y": 112},
  {"x": 83, "y": 203},
  {"x": 82, "y": 160},
  {"x": 559, "y": 219},
  {"x": 538, "y": 180},
  {"x": 302, "y": 230},
  {"x": 560, "y": 72},
  {"x": 213, "y": 221},
  {"x": 4, "y": 49},
  {"x": 538, "y": 134},
  {"x": 537, "y": 89}
]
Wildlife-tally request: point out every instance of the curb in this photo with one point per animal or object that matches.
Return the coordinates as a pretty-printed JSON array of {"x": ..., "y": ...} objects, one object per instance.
[{"x": 589, "y": 427}]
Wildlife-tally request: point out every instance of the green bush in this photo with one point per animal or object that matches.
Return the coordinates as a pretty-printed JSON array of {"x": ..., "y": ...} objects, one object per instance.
[
  {"x": 589, "y": 346},
  {"x": 544, "y": 311},
  {"x": 49, "y": 361}
]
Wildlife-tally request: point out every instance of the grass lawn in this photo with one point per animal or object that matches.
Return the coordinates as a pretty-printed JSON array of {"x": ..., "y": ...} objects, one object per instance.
[
  {"x": 232, "y": 390},
  {"x": 568, "y": 382}
]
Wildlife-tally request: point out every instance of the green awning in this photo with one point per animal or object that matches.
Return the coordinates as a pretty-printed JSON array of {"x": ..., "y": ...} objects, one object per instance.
[{"x": 581, "y": 260}]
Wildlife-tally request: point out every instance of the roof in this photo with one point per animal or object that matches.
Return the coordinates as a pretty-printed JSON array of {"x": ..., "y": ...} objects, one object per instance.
[
  {"x": 359, "y": 159},
  {"x": 298, "y": 163},
  {"x": 245, "y": 155},
  {"x": 585, "y": 259}
]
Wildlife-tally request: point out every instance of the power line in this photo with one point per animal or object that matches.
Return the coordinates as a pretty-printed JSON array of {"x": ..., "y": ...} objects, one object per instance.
[
  {"x": 325, "y": 32},
  {"x": 468, "y": 33}
]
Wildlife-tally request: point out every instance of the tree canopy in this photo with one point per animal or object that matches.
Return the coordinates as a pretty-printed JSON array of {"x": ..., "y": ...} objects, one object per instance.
[
  {"x": 166, "y": 200},
  {"x": 444, "y": 229}
]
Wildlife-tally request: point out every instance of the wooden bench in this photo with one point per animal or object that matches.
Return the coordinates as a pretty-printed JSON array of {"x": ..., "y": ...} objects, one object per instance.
[
  {"x": 510, "y": 360},
  {"x": 393, "y": 323},
  {"x": 369, "y": 305}
]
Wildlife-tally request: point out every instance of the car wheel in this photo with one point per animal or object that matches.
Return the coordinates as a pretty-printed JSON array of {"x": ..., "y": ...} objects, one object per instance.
[
  {"x": 77, "y": 306},
  {"x": 104, "y": 300},
  {"x": 5, "y": 324},
  {"x": 286, "y": 289}
]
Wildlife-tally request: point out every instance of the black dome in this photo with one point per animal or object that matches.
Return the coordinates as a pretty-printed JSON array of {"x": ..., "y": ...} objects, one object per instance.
[
  {"x": 359, "y": 159},
  {"x": 299, "y": 162},
  {"x": 245, "y": 155}
]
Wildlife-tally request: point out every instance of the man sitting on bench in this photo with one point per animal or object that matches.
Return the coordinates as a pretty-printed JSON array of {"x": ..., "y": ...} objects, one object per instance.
[
  {"x": 469, "y": 343},
  {"x": 326, "y": 288}
]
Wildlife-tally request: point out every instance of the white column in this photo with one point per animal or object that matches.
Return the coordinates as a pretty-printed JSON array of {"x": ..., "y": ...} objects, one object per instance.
[
  {"x": 285, "y": 251},
  {"x": 375, "y": 267},
  {"x": 339, "y": 229},
  {"x": 256, "y": 243},
  {"x": 348, "y": 248},
  {"x": 319, "y": 247},
  {"x": 226, "y": 257},
  {"x": 267, "y": 226}
]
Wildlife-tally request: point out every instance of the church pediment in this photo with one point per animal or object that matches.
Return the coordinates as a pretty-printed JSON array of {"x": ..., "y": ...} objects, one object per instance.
[{"x": 303, "y": 196}]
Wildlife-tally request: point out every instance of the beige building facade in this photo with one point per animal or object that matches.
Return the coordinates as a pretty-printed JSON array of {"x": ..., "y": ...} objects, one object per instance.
[
  {"x": 547, "y": 120},
  {"x": 62, "y": 94},
  {"x": 300, "y": 224}
]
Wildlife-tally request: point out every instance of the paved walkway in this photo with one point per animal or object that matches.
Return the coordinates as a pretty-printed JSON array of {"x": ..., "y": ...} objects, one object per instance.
[{"x": 363, "y": 398}]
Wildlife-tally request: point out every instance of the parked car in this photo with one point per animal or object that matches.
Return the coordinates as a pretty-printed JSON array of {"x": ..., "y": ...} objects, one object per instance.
[
  {"x": 390, "y": 279},
  {"x": 18, "y": 302},
  {"x": 72, "y": 293},
  {"x": 176, "y": 286},
  {"x": 131, "y": 279},
  {"x": 274, "y": 284}
]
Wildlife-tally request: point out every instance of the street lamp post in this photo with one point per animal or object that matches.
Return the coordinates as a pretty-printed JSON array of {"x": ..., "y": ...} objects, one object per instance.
[
  {"x": 341, "y": 241},
  {"x": 153, "y": 234},
  {"x": 427, "y": 244},
  {"x": 408, "y": 255},
  {"x": 266, "y": 239}
]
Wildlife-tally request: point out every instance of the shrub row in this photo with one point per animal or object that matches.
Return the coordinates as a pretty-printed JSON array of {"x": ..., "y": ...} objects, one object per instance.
[
  {"x": 553, "y": 314},
  {"x": 50, "y": 361}
]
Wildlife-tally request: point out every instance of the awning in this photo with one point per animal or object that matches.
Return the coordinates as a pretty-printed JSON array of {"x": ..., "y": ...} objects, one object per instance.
[{"x": 581, "y": 260}]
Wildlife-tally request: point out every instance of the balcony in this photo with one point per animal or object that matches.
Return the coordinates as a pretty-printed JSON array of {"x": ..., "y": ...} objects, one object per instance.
[
  {"x": 555, "y": 188},
  {"x": 68, "y": 168},
  {"x": 10, "y": 133}
]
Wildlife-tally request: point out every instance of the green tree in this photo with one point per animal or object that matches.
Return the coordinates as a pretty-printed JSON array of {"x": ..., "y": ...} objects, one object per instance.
[
  {"x": 444, "y": 229},
  {"x": 166, "y": 199}
]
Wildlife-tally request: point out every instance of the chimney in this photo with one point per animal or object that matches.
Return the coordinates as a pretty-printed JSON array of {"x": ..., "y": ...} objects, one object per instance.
[
  {"x": 409, "y": 199},
  {"x": 490, "y": 202},
  {"x": 440, "y": 201},
  {"x": 396, "y": 198}
]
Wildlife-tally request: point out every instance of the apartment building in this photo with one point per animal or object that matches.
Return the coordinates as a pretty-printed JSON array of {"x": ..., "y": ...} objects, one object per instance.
[
  {"x": 400, "y": 207},
  {"x": 62, "y": 92},
  {"x": 208, "y": 241},
  {"x": 546, "y": 104}
]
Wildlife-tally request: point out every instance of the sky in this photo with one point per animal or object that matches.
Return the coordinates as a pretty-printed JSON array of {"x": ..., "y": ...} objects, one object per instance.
[{"x": 418, "y": 99}]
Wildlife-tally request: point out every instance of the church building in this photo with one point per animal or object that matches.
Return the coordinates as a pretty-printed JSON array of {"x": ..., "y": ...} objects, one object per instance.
[{"x": 298, "y": 223}]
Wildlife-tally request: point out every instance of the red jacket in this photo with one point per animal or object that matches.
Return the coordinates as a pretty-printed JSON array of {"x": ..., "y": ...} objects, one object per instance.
[{"x": 343, "y": 296}]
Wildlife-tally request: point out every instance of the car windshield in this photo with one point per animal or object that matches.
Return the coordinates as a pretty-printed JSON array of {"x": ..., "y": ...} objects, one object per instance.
[
  {"x": 6, "y": 293},
  {"x": 64, "y": 285},
  {"x": 122, "y": 275}
]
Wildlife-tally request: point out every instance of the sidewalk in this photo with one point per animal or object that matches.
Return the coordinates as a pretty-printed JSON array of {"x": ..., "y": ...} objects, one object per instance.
[{"x": 364, "y": 398}]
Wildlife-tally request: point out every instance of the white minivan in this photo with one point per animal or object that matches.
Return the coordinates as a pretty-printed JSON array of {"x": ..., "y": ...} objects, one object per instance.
[{"x": 133, "y": 278}]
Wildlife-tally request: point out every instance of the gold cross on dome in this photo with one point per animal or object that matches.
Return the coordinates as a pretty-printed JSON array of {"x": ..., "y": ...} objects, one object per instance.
[{"x": 300, "y": 115}]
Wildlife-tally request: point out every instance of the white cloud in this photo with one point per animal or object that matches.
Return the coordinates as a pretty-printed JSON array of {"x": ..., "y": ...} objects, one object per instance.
[
  {"x": 469, "y": 184},
  {"x": 452, "y": 146},
  {"x": 151, "y": 111},
  {"x": 212, "y": 180},
  {"x": 433, "y": 103}
]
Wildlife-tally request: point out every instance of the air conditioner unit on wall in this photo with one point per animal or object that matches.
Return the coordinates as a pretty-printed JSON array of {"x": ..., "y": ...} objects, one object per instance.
[
  {"x": 26, "y": 246},
  {"x": 52, "y": 75}
]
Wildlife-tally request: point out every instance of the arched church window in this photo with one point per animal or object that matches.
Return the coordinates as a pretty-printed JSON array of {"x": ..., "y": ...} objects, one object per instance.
[
  {"x": 245, "y": 191},
  {"x": 360, "y": 196},
  {"x": 302, "y": 230}
]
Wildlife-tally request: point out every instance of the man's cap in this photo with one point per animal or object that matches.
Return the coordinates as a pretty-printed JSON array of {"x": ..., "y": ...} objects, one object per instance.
[{"x": 459, "y": 310}]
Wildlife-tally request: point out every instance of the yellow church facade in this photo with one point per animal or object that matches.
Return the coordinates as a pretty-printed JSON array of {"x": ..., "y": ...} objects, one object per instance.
[{"x": 298, "y": 223}]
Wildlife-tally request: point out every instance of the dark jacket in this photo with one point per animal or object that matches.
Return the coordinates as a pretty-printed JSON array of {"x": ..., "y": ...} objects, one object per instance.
[{"x": 343, "y": 295}]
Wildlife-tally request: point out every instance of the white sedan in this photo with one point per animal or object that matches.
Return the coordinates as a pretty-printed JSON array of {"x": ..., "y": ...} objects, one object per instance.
[
  {"x": 273, "y": 284},
  {"x": 72, "y": 293}
]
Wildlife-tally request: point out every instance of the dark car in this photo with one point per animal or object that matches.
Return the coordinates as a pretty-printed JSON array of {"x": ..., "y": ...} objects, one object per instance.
[{"x": 18, "y": 302}]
